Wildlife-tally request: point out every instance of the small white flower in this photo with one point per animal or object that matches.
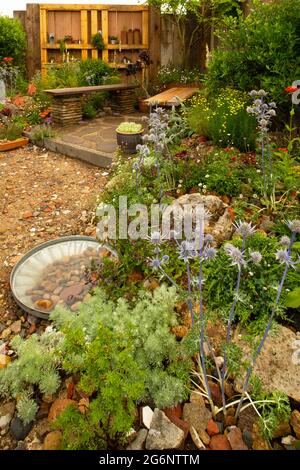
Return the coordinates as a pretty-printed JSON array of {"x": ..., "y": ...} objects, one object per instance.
[{"x": 206, "y": 176}]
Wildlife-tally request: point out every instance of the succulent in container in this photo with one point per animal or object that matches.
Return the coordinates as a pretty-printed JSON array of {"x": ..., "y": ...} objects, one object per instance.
[{"x": 129, "y": 135}]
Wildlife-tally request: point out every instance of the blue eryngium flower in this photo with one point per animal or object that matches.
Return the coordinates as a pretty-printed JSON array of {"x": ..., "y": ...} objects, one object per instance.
[
  {"x": 187, "y": 250},
  {"x": 285, "y": 241},
  {"x": 236, "y": 255},
  {"x": 255, "y": 257},
  {"x": 245, "y": 229}
]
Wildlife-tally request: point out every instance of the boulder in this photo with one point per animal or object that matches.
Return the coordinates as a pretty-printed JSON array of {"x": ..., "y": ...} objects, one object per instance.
[
  {"x": 139, "y": 441},
  {"x": 295, "y": 422},
  {"x": 197, "y": 415},
  {"x": 163, "y": 434},
  {"x": 219, "y": 442},
  {"x": 235, "y": 439},
  {"x": 219, "y": 224},
  {"x": 275, "y": 366}
]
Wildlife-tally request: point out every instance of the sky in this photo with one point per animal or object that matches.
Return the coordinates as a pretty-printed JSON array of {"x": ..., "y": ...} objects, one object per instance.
[{"x": 8, "y": 6}]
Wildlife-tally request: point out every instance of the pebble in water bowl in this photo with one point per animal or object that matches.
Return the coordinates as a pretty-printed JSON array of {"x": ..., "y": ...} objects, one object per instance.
[
  {"x": 65, "y": 281},
  {"x": 58, "y": 274}
]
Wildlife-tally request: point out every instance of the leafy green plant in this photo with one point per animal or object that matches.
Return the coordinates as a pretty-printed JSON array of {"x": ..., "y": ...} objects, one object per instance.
[
  {"x": 147, "y": 323},
  {"x": 36, "y": 367},
  {"x": 40, "y": 133},
  {"x": 97, "y": 41},
  {"x": 110, "y": 373},
  {"x": 12, "y": 40},
  {"x": 11, "y": 131},
  {"x": 223, "y": 118},
  {"x": 88, "y": 110},
  {"x": 260, "y": 51}
]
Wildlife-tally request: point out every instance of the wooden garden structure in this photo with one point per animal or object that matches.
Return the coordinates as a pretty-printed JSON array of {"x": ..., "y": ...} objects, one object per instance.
[{"x": 73, "y": 26}]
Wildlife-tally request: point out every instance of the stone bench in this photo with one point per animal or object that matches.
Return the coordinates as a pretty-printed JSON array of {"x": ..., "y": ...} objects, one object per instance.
[{"x": 67, "y": 102}]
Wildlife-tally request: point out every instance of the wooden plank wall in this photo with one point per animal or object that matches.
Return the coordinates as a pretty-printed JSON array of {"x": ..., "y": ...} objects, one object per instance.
[{"x": 30, "y": 20}]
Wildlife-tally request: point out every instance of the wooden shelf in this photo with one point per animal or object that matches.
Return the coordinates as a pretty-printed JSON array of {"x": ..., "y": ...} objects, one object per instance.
[
  {"x": 68, "y": 46},
  {"x": 126, "y": 46},
  {"x": 83, "y": 21},
  {"x": 118, "y": 66}
]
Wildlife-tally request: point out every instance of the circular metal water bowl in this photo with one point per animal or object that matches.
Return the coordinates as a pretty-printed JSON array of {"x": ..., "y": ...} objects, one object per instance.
[{"x": 28, "y": 276}]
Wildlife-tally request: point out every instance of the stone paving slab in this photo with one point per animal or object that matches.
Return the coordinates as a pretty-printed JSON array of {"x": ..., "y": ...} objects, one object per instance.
[
  {"x": 98, "y": 134},
  {"x": 92, "y": 141}
]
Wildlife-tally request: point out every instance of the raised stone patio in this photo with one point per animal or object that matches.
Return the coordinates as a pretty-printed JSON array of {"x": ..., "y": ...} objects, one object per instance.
[{"x": 91, "y": 141}]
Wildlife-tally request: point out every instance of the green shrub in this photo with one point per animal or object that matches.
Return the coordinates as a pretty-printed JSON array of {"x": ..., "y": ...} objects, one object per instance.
[
  {"x": 96, "y": 72},
  {"x": 148, "y": 323},
  {"x": 113, "y": 376},
  {"x": 169, "y": 74},
  {"x": 261, "y": 51},
  {"x": 83, "y": 73},
  {"x": 88, "y": 110},
  {"x": 258, "y": 285},
  {"x": 35, "y": 368},
  {"x": 223, "y": 118},
  {"x": 12, "y": 40}
]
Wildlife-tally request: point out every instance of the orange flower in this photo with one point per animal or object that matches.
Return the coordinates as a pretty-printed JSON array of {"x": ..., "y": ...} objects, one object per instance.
[
  {"x": 8, "y": 59},
  {"x": 282, "y": 149},
  {"x": 45, "y": 113},
  {"x": 290, "y": 89},
  {"x": 18, "y": 101},
  {"x": 31, "y": 89}
]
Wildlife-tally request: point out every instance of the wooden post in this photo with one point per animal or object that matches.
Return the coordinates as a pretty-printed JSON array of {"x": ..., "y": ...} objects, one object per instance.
[
  {"x": 84, "y": 33},
  {"x": 94, "y": 30},
  {"x": 145, "y": 28},
  {"x": 154, "y": 41},
  {"x": 43, "y": 39},
  {"x": 104, "y": 16}
]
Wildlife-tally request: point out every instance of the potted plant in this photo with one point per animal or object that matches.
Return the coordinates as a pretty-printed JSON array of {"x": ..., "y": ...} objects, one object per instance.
[
  {"x": 113, "y": 40},
  {"x": 129, "y": 135},
  {"x": 97, "y": 41},
  {"x": 11, "y": 136}
]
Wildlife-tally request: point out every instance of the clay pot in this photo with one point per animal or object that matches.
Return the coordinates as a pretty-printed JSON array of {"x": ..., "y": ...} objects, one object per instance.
[{"x": 13, "y": 144}]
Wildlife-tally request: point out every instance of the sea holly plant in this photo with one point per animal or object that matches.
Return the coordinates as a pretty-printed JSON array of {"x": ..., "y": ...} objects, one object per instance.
[
  {"x": 156, "y": 139},
  {"x": 284, "y": 256},
  {"x": 263, "y": 112},
  {"x": 190, "y": 251},
  {"x": 199, "y": 248}
]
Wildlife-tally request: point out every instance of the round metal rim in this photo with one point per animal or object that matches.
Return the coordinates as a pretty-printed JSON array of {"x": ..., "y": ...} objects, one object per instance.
[{"x": 55, "y": 241}]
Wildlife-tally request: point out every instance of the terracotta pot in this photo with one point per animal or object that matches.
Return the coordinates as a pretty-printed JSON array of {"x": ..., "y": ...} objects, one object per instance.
[
  {"x": 128, "y": 142},
  {"x": 13, "y": 144},
  {"x": 143, "y": 106}
]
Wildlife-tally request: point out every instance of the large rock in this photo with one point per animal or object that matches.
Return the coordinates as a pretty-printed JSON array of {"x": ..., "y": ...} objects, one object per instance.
[
  {"x": 163, "y": 434},
  {"x": 197, "y": 415},
  {"x": 6, "y": 414},
  {"x": 139, "y": 441},
  {"x": 295, "y": 422},
  {"x": 219, "y": 442},
  {"x": 220, "y": 223},
  {"x": 235, "y": 439},
  {"x": 18, "y": 429},
  {"x": 275, "y": 366}
]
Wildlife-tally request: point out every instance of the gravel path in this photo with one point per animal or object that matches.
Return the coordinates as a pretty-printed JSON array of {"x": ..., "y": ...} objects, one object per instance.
[{"x": 43, "y": 196}]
